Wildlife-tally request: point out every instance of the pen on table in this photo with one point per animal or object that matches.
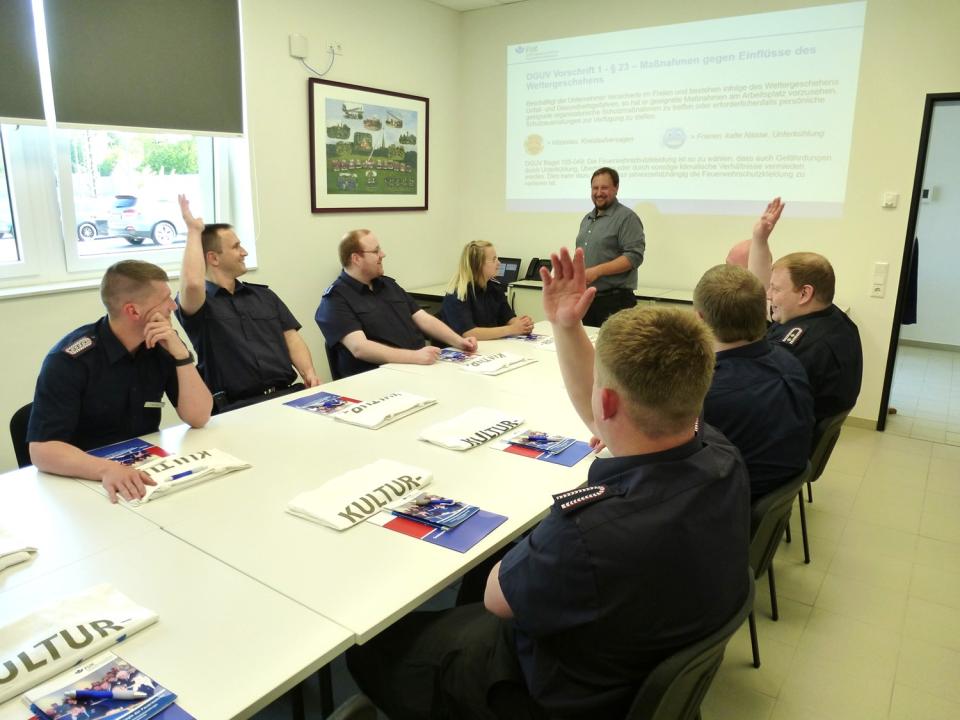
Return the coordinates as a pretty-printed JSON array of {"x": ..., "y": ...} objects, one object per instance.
[
  {"x": 187, "y": 473},
  {"x": 105, "y": 694}
]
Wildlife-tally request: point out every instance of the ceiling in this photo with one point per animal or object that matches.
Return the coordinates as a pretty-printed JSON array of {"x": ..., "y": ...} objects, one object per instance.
[{"x": 464, "y": 5}]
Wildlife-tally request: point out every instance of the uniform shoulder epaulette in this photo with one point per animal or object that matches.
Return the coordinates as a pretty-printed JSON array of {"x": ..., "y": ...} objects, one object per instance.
[
  {"x": 792, "y": 336},
  {"x": 80, "y": 346},
  {"x": 572, "y": 500},
  {"x": 259, "y": 285},
  {"x": 328, "y": 290}
]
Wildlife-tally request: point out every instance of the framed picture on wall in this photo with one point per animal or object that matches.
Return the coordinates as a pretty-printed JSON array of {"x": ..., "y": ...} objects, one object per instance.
[{"x": 368, "y": 148}]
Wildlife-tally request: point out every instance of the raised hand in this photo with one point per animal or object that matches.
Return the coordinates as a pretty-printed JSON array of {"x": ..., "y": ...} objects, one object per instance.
[
  {"x": 768, "y": 220},
  {"x": 192, "y": 223},
  {"x": 566, "y": 296}
]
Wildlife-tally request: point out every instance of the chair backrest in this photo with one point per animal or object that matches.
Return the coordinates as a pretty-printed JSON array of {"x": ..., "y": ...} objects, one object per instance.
[
  {"x": 769, "y": 516},
  {"x": 335, "y": 373},
  {"x": 18, "y": 434},
  {"x": 825, "y": 436},
  {"x": 675, "y": 688}
]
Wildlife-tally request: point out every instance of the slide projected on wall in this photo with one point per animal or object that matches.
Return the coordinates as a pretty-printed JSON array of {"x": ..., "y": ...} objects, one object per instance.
[{"x": 705, "y": 117}]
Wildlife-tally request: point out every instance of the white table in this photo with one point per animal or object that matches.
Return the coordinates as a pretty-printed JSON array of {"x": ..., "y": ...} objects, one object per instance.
[
  {"x": 61, "y": 517},
  {"x": 225, "y": 643},
  {"x": 367, "y": 577}
]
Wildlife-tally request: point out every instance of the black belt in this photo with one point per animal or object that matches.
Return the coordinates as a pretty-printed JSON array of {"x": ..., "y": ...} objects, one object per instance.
[
  {"x": 227, "y": 399},
  {"x": 614, "y": 291}
]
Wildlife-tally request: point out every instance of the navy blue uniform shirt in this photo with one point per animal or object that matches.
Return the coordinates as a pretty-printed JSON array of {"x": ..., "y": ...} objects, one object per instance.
[
  {"x": 761, "y": 400},
  {"x": 607, "y": 586},
  {"x": 92, "y": 392},
  {"x": 239, "y": 340},
  {"x": 487, "y": 307},
  {"x": 384, "y": 314},
  {"x": 827, "y": 344}
]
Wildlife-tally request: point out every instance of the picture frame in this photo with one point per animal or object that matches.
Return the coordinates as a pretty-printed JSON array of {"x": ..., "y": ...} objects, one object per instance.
[{"x": 369, "y": 148}]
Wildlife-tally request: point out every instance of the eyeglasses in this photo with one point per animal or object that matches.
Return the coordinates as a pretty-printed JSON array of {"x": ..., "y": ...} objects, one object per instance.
[{"x": 376, "y": 250}]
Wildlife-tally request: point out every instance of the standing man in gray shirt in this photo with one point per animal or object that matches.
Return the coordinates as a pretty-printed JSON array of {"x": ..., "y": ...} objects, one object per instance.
[{"x": 612, "y": 239}]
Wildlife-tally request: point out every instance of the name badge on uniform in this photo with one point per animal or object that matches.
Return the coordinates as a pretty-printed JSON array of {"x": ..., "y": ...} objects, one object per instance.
[
  {"x": 792, "y": 336},
  {"x": 154, "y": 404}
]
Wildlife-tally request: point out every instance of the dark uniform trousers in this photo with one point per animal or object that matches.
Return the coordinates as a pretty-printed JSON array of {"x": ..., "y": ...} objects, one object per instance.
[
  {"x": 457, "y": 664},
  {"x": 608, "y": 302}
]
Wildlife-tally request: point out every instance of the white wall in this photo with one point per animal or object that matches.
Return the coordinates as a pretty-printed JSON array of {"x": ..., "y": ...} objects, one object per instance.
[
  {"x": 909, "y": 50},
  {"x": 938, "y": 228},
  {"x": 403, "y": 45}
]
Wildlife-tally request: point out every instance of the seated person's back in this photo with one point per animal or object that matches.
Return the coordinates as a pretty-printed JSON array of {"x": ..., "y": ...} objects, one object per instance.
[{"x": 760, "y": 397}]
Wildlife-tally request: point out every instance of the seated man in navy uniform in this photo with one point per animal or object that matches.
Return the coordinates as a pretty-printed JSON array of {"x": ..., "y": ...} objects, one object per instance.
[
  {"x": 367, "y": 319},
  {"x": 825, "y": 340},
  {"x": 246, "y": 339},
  {"x": 649, "y": 557},
  {"x": 760, "y": 397},
  {"x": 823, "y": 337},
  {"x": 105, "y": 382}
]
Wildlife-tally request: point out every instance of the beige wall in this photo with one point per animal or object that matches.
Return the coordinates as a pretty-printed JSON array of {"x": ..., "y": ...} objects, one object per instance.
[
  {"x": 909, "y": 50},
  {"x": 458, "y": 62}
]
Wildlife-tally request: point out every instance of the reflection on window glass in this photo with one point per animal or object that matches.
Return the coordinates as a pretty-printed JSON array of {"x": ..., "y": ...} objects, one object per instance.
[
  {"x": 125, "y": 188},
  {"x": 9, "y": 247}
]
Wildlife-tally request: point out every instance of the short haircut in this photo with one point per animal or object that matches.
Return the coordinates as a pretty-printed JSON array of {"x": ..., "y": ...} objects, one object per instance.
[
  {"x": 807, "y": 268},
  {"x": 470, "y": 270},
  {"x": 126, "y": 281},
  {"x": 614, "y": 175},
  {"x": 661, "y": 361},
  {"x": 733, "y": 303},
  {"x": 210, "y": 237},
  {"x": 350, "y": 244}
]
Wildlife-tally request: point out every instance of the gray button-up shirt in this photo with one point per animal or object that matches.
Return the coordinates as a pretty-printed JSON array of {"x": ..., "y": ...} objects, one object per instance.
[{"x": 607, "y": 235}]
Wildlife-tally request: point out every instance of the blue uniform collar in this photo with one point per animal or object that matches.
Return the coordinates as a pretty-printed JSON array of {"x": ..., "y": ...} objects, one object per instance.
[
  {"x": 111, "y": 344},
  {"x": 753, "y": 350},
  {"x": 361, "y": 287},
  {"x": 608, "y": 471},
  {"x": 213, "y": 288}
]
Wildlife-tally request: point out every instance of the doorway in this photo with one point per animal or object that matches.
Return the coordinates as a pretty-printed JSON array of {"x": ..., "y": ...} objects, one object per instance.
[{"x": 922, "y": 381}]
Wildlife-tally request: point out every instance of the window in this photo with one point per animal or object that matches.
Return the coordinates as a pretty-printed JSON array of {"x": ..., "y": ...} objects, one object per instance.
[
  {"x": 124, "y": 187},
  {"x": 9, "y": 247},
  {"x": 77, "y": 195}
]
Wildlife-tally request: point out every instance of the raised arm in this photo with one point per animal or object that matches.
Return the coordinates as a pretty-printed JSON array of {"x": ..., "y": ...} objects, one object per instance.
[
  {"x": 760, "y": 259},
  {"x": 566, "y": 299},
  {"x": 439, "y": 330},
  {"x": 301, "y": 357},
  {"x": 194, "y": 269}
]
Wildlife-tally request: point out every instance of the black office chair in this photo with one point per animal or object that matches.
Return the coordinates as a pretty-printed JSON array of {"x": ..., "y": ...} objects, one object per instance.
[
  {"x": 675, "y": 688},
  {"x": 18, "y": 434},
  {"x": 769, "y": 518},
  {"x": 825, "y": 436},
  {"x": 335, "y": 373},
  {"x": 356, "y": 707}
]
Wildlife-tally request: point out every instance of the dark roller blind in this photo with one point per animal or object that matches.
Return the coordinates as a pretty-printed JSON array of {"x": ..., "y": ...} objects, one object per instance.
[
  {"x": 171, "y": 64},
  {"x": 20, "y": 96}
]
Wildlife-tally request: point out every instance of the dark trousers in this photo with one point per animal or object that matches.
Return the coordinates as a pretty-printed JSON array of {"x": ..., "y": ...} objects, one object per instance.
[
  {"x": 607, "y": 303},
  {"x": 457, "y": 664}
]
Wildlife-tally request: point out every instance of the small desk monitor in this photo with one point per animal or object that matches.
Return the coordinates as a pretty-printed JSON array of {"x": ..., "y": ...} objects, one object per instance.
[{"x": 508, "y": 271}]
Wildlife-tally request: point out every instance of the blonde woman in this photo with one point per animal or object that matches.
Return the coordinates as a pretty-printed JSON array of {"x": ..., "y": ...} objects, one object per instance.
[{"x": 476, "y": 304}]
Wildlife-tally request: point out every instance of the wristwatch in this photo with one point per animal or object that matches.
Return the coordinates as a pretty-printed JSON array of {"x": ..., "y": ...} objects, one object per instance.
[{"x": 188, "y": 360}]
